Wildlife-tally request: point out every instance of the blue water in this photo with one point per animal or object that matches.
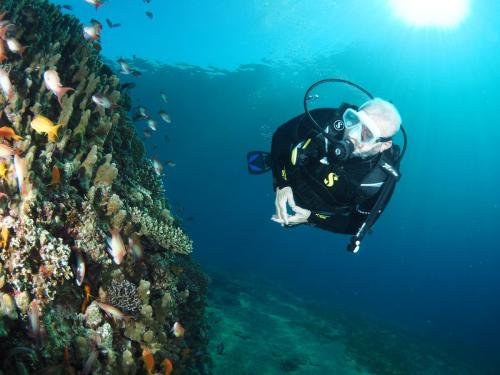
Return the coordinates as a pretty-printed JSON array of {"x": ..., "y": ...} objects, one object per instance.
[{"x": 431, "y": 265}]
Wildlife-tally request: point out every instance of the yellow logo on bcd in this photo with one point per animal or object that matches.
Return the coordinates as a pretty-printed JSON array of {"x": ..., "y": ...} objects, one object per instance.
[{"x": 331, "y": 179}]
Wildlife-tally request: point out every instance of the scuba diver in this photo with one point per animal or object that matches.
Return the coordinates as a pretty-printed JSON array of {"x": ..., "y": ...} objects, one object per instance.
[{"x": 336, "y": 168}]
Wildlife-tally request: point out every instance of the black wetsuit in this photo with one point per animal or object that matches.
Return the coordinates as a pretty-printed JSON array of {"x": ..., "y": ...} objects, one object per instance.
[{"x": 339, "y": 194}]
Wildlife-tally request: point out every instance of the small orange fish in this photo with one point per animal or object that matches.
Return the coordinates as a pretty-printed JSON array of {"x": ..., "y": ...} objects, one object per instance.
[
  {"x": 3, "y": 55},
  {"x": 56, "y": 176},
  {"x": 4, "y": 237},
  {"x": 86, "y": 298},
  {"x": 169, "y": 367},
  {"x": 8, "y": 132},
  {"x": 45, "y": 270},
  {"x": 149, "y": 360}
]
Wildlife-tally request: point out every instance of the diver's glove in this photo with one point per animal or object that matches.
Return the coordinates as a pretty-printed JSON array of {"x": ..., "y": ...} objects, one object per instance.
[{"x": 284, "y": 196}]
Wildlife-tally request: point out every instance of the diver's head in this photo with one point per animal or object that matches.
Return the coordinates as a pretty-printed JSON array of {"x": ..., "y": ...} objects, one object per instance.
[{"x": 371, "y": 128}]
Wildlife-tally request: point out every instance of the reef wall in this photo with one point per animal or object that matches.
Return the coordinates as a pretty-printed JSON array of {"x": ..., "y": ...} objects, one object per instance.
[{"x": 68, "y": 303}]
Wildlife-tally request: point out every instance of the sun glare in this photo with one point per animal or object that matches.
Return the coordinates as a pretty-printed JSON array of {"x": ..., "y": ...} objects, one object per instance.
[{"x": 431, "y": 13}]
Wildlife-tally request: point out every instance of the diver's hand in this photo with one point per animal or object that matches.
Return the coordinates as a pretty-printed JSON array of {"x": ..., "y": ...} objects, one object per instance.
[
  {"x": 284, "y": 196},
  {"x": 301, "y": 216}
]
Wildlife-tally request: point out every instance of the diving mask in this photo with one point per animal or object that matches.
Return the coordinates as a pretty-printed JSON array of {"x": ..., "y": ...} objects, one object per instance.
[{"x": 360, "y": 127}]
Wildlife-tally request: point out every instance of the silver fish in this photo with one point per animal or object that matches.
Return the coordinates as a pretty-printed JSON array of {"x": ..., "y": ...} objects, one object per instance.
[
  {"x": 165, "y": 116},
  {"x": 15, "y": 46},
  {"x": 158, "y": 167},
  {"x": 142, "y": 111},
  {"x": 163, "y": 96},
  {"x": 92, "y": 32},
  {"x": 177, "y": 329},
  {"x": 80, "y": 268},
  {"x": 103, "y": 101},
  {"x": 152, "y": 124},
  {"x": 125, "y": 67},
  {"x": 112, "y": 311}
]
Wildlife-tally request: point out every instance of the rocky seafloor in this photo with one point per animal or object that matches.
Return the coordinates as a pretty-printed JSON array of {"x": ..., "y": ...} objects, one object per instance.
[
  {"x": 258, "y": 327},
  {"x": 68, "y": 304}
]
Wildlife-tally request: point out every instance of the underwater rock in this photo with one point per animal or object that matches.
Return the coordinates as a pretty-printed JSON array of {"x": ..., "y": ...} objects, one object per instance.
[
  {"x": 65, "y": 193},
  {"x": 93, "y": 316},
  {"x": 7, "y": 306}
]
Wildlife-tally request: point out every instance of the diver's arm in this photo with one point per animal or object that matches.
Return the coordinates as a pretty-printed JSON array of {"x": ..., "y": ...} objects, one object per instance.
[{"x": 284, "y": 138}]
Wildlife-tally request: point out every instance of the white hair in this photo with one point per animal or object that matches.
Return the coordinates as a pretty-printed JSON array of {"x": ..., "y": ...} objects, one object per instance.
[{"x": 384, "y": 114}]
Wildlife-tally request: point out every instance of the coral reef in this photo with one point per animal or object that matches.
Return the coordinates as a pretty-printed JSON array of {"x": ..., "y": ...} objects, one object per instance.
[
  {"x": 73, "y": 180},
  {"x": 124, "y": 296}
]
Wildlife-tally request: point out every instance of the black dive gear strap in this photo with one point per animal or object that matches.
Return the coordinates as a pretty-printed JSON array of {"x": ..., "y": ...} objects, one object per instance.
[
  {"x": 393, "y": 176},
  {"x": 375, "y": 212}
]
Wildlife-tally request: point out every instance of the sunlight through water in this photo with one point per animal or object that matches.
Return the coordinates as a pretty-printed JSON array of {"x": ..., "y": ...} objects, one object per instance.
[{"x": 431, "y": 13}]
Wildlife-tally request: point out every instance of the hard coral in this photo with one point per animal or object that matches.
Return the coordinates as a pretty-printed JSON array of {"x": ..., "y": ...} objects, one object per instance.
[
  {"x": 124, "y": 296},
  {"x": 167, "y": 236},
  {"x": 47, "y": 255}
]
